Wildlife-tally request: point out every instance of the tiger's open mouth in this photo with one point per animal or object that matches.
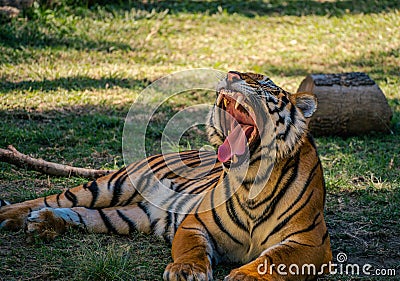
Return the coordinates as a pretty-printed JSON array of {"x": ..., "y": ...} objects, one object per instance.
[{"x": 238, "y": 126}]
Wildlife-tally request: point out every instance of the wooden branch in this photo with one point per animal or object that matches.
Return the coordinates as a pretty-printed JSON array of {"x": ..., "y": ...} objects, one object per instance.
[{"x": 14, "y": 157}]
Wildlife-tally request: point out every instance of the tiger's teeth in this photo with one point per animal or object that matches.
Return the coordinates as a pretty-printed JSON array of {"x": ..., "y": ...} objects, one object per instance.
[
  {"x": 225, "y": 103},
  {"x": 238, "y": 101},
  {"x": 219, "y": 99},
  {"x": 234, "y": 159}
]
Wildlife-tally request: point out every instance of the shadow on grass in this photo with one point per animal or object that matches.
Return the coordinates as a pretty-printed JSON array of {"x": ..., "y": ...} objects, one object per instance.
[
  {"x": 376, "y": 63},
  {"x": 80, "y": 129},
  {"x": 76, "y": 83},
  {"x": 58, "y": 31},
  {"x": 34, "y": 34},
  {"x": 254, "y": 8},
  {"x": 285, "y": 70}
]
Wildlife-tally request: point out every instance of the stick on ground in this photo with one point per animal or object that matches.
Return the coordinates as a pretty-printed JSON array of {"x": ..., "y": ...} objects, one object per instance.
[{"x": 12, "y": 156}]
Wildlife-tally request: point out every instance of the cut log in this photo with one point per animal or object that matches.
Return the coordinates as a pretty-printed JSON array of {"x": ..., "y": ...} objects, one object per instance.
[
  {"x": 348, "y": 104},
  {"x": 19, "y": 4}
]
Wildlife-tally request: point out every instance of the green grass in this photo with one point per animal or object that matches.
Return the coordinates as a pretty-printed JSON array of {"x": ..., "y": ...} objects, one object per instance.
[{"x": 68, "y": 77}]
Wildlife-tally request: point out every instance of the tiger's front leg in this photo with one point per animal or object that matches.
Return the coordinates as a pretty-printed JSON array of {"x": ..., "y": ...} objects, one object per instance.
[{"x": 191, "y": 252}]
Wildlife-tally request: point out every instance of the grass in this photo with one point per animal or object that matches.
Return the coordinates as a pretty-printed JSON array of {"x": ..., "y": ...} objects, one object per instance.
[{"x": 68, "y": 77}]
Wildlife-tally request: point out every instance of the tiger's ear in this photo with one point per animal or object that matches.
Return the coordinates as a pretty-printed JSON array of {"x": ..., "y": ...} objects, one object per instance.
[{"x": 306, "y": 102}]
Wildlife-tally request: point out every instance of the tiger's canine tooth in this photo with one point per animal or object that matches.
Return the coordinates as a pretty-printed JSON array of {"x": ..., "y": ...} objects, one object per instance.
[
  {"x": 234, "y": 159},
  {"x": 219, "y": 99},
  {"x": 238, "y": 101}
]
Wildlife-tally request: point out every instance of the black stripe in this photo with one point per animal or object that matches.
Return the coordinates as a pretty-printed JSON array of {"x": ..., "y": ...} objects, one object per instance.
[
  {"x": 287, "y": 219},
  {"x": 81, "y": 221},
  {"x": 182, "y": 186},
  {"x": 58, "y": 199},
  {"x": 231, "y": 210},
  {"x": 181, "y": 217},
  {"x": 167, "y": 225},
  {"x": 130, "y": 199},
  {"x": 131, "y": 224},
  {"x": 133, "y": 168},
  {"x": 177, "y": 216},
  {"x": 115, "y": 175},
  {"x": 172, "y": 217},
  {"x": 192, "y": 228},
  {"x": 167, "y": 161},
  {"x": 107, "y": 222},
  {"x": 305, "y": 187},
  {"x": 45, "y": 202},
  {"x": 281, "y": 119},
  {"x": 170, "y": 162},
  {"x": 216, "y": 133},
  {"x": 290, "y": 166},
  {"x": 71, "y": 197},
  {"x": 153, "y": 224},
  {"x": 286, "y": 245},
  {"x": 191, "y": 249},
  {"x": 161, "y": 158},
  {"x": 211, "y": 238},
  {"x": 218, "y": 220},
  {"x": 183, "y": 168},
  {"x": 201, "y": 234},
  {"x": 312, "y": 226},
  {"x": 199, "y": 189},
  {"x": 94, "y": 189},
  {"x": 285, "y": 100},
  {"x": 293, "y": 112},
  {"x": 326, "y": 235},
  {"x": 117, "y": 189},
  {"x": 298, "y": 243},
  {"x": 144, "y": 209},
  {"x": 243, "y": 208}
]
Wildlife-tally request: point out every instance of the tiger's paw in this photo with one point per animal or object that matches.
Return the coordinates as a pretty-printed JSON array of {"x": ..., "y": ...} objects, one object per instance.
[
  {"x": 244, "y": 275},
  {"x": 12, "y": 216},
  {"x": 48, "y": 223},
  {"x": 187, "y": 271}
]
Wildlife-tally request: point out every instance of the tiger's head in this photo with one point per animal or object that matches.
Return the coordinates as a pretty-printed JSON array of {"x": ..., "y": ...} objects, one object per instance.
[{"x": 252, "y": 116}]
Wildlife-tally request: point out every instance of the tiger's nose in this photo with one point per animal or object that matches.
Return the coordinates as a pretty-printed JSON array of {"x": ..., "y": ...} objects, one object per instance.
[{"x": 233, "y": 76}]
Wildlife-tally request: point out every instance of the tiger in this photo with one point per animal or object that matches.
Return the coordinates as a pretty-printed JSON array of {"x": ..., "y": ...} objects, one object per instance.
[{"x": 257, "y": 200}]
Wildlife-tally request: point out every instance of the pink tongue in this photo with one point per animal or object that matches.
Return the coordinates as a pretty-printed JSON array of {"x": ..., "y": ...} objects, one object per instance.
[{"x": 235, "y": 143}]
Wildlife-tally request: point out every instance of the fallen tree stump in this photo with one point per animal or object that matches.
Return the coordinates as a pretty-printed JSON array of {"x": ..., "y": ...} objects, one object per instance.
[
  {"x": 348, "y": 104},
  {"x": 19, "y": 4}
]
